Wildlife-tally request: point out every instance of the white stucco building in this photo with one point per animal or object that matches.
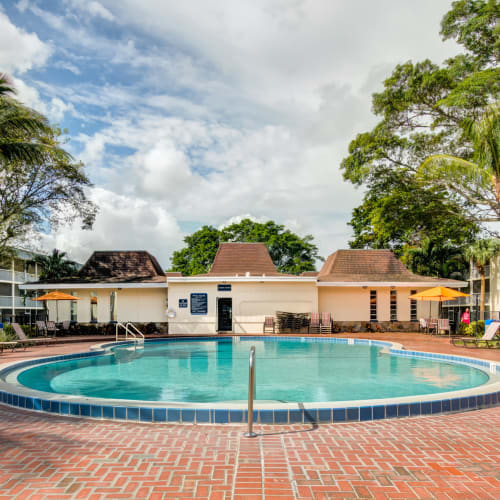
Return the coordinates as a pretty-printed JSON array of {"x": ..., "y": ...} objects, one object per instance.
[{"x": 241, "y": 289}]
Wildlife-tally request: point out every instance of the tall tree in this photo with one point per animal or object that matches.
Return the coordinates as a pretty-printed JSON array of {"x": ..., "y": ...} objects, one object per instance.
[
  {"x": 290, "y": 253},
  {"x": 40, "y": 183},
  {"x": 481, "y": 253},
  {"x": 426, "y": 109},
  {"x": 476, "y": 181},
  {"x": 55, "y": 266}
]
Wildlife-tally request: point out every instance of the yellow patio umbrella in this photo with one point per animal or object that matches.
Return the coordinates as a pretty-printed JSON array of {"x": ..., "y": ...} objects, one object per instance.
[
  {"x": 438, "y": 294},
  {"x": 57, "y": 296}
]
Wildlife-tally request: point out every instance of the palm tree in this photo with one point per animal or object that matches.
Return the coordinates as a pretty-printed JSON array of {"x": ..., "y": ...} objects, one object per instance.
[
  {"x": 435, "y": 258},
  {"x": 55, "y": 266},
  {"x": 481, "y": 253},
  {"x": 21, "y": 128},
  {"x": 478, "y": 180}
]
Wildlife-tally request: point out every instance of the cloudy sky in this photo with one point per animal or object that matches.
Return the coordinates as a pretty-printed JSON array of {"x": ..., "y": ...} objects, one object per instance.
[{"x": 203, "y": 112}]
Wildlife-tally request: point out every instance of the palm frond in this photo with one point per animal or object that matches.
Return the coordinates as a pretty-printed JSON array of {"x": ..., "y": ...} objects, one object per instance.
[{"x": 452, "y": 170}]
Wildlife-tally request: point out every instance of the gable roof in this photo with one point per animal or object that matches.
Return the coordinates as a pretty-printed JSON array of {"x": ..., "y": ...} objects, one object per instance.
[
  {"x": 371, "y": 266},
  {"x": 241, "y": 258},
  {"x": 121, "y": 267}
]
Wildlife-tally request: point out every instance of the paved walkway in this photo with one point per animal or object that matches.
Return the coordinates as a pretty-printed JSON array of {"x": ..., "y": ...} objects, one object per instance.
[
  {"x": 446, "y": 456},
  {"x": 443, "y": 456}
]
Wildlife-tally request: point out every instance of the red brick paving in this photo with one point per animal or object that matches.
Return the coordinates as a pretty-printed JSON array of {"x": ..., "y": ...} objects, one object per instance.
[
  {"x": 445, "y": 456},
  {"x": 432, "y": 457}
]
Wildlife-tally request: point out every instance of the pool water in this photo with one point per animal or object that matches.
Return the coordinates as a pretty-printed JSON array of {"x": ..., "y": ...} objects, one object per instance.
[{"x": 287, "y": 370}]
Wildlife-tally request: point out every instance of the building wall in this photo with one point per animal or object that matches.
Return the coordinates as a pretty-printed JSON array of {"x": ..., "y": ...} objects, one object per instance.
[
  {"x": 251, "y": 302},
  {"x": 353, "y": 303},
  {"x": 141, "y": 305}
]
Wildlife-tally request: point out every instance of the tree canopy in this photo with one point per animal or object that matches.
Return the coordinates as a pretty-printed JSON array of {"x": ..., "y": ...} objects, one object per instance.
[
  {"x": 425, "y": 110},
  {"x": 40, "y": 183},
  {"x": 290, "y": 253}
]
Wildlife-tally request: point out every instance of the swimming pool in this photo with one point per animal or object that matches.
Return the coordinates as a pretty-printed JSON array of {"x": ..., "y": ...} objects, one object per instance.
[
  {"x": 217, "y": 371},
  {"x": 297, "y": 379}
]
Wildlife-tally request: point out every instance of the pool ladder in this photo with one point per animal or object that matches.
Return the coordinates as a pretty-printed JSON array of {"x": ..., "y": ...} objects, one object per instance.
[{"x": 129, "y": 329}]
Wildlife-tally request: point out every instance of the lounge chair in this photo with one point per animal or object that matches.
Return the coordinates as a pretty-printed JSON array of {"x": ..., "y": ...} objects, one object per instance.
[
  {"x": 487, "y": 340},
  {"x": 66, "y": 325},
  {"x": 25, "y": 341},
  {"x": 326, "y": 323},
  {"x": 268, "y": 324},
  {"x": 7, "y": 345}
]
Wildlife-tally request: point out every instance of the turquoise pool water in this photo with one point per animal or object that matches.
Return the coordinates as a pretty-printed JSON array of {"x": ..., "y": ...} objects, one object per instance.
[{"x": 217, "y": 371}]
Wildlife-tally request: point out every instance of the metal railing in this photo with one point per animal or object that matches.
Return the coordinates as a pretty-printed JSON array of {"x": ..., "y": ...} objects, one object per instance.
[
  {"x": 251, "y": 392},
  {"x": 128, "y": 330},
  {"x": 6, "y": 301}
]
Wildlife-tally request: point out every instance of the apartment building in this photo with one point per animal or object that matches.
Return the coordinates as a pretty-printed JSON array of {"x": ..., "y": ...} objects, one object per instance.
[{"x": 15, "y": 304}]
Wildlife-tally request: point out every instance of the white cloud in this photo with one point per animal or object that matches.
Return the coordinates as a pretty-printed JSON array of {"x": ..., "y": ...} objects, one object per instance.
[
  {"x": 53, "y": 108},
  {"x": 123, "y": 223},
  {"x": 241, "y": 107},
  {"x": 20, "y": 51}
]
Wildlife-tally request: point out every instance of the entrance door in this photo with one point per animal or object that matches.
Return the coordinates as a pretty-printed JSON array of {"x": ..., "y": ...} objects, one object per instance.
[{"x": 225, "y": 314}]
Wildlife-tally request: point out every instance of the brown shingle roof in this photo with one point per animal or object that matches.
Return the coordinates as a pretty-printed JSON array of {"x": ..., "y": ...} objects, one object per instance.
[
  {"x": 369, "y": 266},
  {"x": 121, "y": 267},
  {"x": 240, "y": 258}
]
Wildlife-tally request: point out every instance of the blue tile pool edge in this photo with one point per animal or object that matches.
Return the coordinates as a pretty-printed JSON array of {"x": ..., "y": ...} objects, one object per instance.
[{"x": 93, "y": 408}]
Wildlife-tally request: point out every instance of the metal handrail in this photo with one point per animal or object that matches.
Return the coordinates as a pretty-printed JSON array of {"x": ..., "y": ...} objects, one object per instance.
[
  {"x": 127, "y": 331},
  {"x": 136, "y": 329},
  {"x": 251, "y": 392}
]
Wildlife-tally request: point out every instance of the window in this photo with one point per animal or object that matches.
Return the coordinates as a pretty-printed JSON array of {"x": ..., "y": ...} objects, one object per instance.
[
  {"x": 73, "y": 308},
  {"x": 413, "y": 307},
  {"x": 373, "y": 305},
  {"x": 394, "y": 305},
  {"x": 93, "y": 307},
  {"x": 112, "y": 306}
]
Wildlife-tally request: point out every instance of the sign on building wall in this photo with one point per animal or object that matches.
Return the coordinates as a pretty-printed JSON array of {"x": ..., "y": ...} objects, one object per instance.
[
  {"x": 183, "y": 303},
  {"x": 199, "y": 303},
  {"x": 223, "y": 288}
]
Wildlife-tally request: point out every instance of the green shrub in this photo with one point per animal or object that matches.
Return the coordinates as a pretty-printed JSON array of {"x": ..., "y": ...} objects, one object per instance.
[
  {"x": 471, "y": 329},
  {"x": 463, "y": 329},
  {"x": 8, "y": 333}
]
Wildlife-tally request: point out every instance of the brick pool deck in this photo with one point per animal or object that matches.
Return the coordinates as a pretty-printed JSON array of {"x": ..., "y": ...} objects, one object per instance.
[{"x": 443, "y": 456}]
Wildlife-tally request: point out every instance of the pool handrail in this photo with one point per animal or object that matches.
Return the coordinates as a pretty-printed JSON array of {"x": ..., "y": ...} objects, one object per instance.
[{"x": 251, "y": 392}]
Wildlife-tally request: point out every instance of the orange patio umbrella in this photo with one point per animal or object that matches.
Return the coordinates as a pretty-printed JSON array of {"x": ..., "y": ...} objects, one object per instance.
[
  {"x": 438, "y": 294},
  {"x": 57, "y": 296}
]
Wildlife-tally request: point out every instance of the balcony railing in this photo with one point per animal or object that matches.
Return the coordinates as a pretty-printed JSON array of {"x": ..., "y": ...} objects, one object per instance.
[
  {"x": 6, "y": 301},
  {"x": 475, "y": 273},
  {"x": 19, "y": 277},
  {"x": 5, "y": 275},
  {"x": 468, "y": 301}
]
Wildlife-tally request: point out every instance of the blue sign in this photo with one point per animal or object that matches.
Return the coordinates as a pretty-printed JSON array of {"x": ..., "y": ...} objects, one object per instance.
[
  {"x": 223, "y": 288},
  {"x": 199, "y": 303},
  {"x": 183, "y": 303}
]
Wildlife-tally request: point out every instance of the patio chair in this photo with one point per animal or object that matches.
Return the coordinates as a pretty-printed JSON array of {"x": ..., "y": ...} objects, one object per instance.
[
  {"x": 423, "y": 325},
  {"x": 432, "y": 324},
  {"x": 41, "y": 327},
  {"x": 314, "y": 324},
  {"x": 51, "y": 327},
  {"x": 326, "y": 323},
  {"x": 66, "y": 325},
  {"x": 443, "y": 325},
  {"x": 268, "y": 324},
  {"x": 25, "y": 341}
]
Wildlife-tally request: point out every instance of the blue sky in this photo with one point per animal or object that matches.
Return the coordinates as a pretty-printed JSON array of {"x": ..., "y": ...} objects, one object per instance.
[{"x": 192, "y": 113}]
